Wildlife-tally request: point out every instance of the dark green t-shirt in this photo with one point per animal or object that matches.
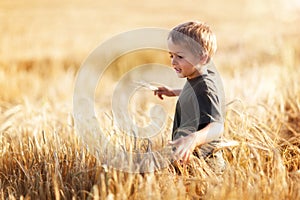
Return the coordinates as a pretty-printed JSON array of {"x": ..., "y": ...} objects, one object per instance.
[{"x": 200, "y": 102}]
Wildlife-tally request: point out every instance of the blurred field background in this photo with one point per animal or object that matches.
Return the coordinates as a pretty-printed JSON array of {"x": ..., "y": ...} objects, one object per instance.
[{"x": 42, "y": 46}]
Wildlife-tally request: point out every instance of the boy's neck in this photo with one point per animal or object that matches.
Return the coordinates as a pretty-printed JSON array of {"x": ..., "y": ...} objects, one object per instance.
[{"x": 203, "y": 69}]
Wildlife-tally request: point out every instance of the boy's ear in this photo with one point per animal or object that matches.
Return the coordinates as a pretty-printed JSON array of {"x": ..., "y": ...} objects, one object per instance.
[{"x": 203, "y": 58}]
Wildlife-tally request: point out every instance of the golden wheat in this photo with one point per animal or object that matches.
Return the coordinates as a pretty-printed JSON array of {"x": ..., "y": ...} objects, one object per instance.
[{"x": 41, "y": 155}]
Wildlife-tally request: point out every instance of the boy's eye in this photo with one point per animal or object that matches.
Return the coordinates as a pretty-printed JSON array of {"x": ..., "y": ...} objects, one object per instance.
[{"x": 172, "y": 56}]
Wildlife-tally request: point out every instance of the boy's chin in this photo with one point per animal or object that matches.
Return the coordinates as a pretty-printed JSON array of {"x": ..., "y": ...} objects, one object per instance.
[{"x": 180, "y": 75}]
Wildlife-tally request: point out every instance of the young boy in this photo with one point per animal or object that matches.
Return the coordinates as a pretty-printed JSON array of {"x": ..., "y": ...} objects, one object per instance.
[{"x": 198, "y": 121}]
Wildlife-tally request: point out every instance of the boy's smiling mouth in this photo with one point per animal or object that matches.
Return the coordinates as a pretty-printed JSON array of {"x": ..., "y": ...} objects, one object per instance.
[{"x": 177, "y": 70}]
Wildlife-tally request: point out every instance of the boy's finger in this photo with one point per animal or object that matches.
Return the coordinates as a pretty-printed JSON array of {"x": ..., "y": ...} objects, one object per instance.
[
  {"x": 171, "y": 142},
  {"x": 186, "y": 156},
  {"x": 160, "y": 88}
]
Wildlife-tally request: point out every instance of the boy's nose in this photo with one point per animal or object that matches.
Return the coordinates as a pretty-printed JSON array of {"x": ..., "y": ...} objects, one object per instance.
[{"x": 173, "y": 61}]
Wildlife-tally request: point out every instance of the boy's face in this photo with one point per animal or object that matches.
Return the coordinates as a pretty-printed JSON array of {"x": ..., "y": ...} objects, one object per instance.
[{"x": 183, "y": 61}]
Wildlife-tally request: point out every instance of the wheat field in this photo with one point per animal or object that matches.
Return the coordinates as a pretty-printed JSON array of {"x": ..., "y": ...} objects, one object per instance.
[{"x": 42, "y": 46}]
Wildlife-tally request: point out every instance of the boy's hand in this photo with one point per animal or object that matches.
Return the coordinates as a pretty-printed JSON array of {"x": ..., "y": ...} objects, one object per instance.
[
  {"x": 187, "y": 144},
  {"x": 166, "y": 91},
  {"x": 184, "y": 147}
]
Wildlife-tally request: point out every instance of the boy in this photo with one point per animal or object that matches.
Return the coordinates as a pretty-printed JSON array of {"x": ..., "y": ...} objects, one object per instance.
[{"x": 198, "y": 121}]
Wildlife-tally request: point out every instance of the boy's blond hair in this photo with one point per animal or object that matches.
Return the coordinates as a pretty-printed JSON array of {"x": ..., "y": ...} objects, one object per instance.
[{"x": 198, "y": 37}]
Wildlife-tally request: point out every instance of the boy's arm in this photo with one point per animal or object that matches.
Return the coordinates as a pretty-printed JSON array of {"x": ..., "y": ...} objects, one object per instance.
[
  {"x": 177, "y": 91},
  {"x": 186, "y": 145},
  {"x": 166, "y": 92}
]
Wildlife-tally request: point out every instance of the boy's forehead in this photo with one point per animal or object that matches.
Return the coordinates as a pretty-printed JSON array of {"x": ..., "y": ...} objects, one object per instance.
[{"x": 176, "y": 47}]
